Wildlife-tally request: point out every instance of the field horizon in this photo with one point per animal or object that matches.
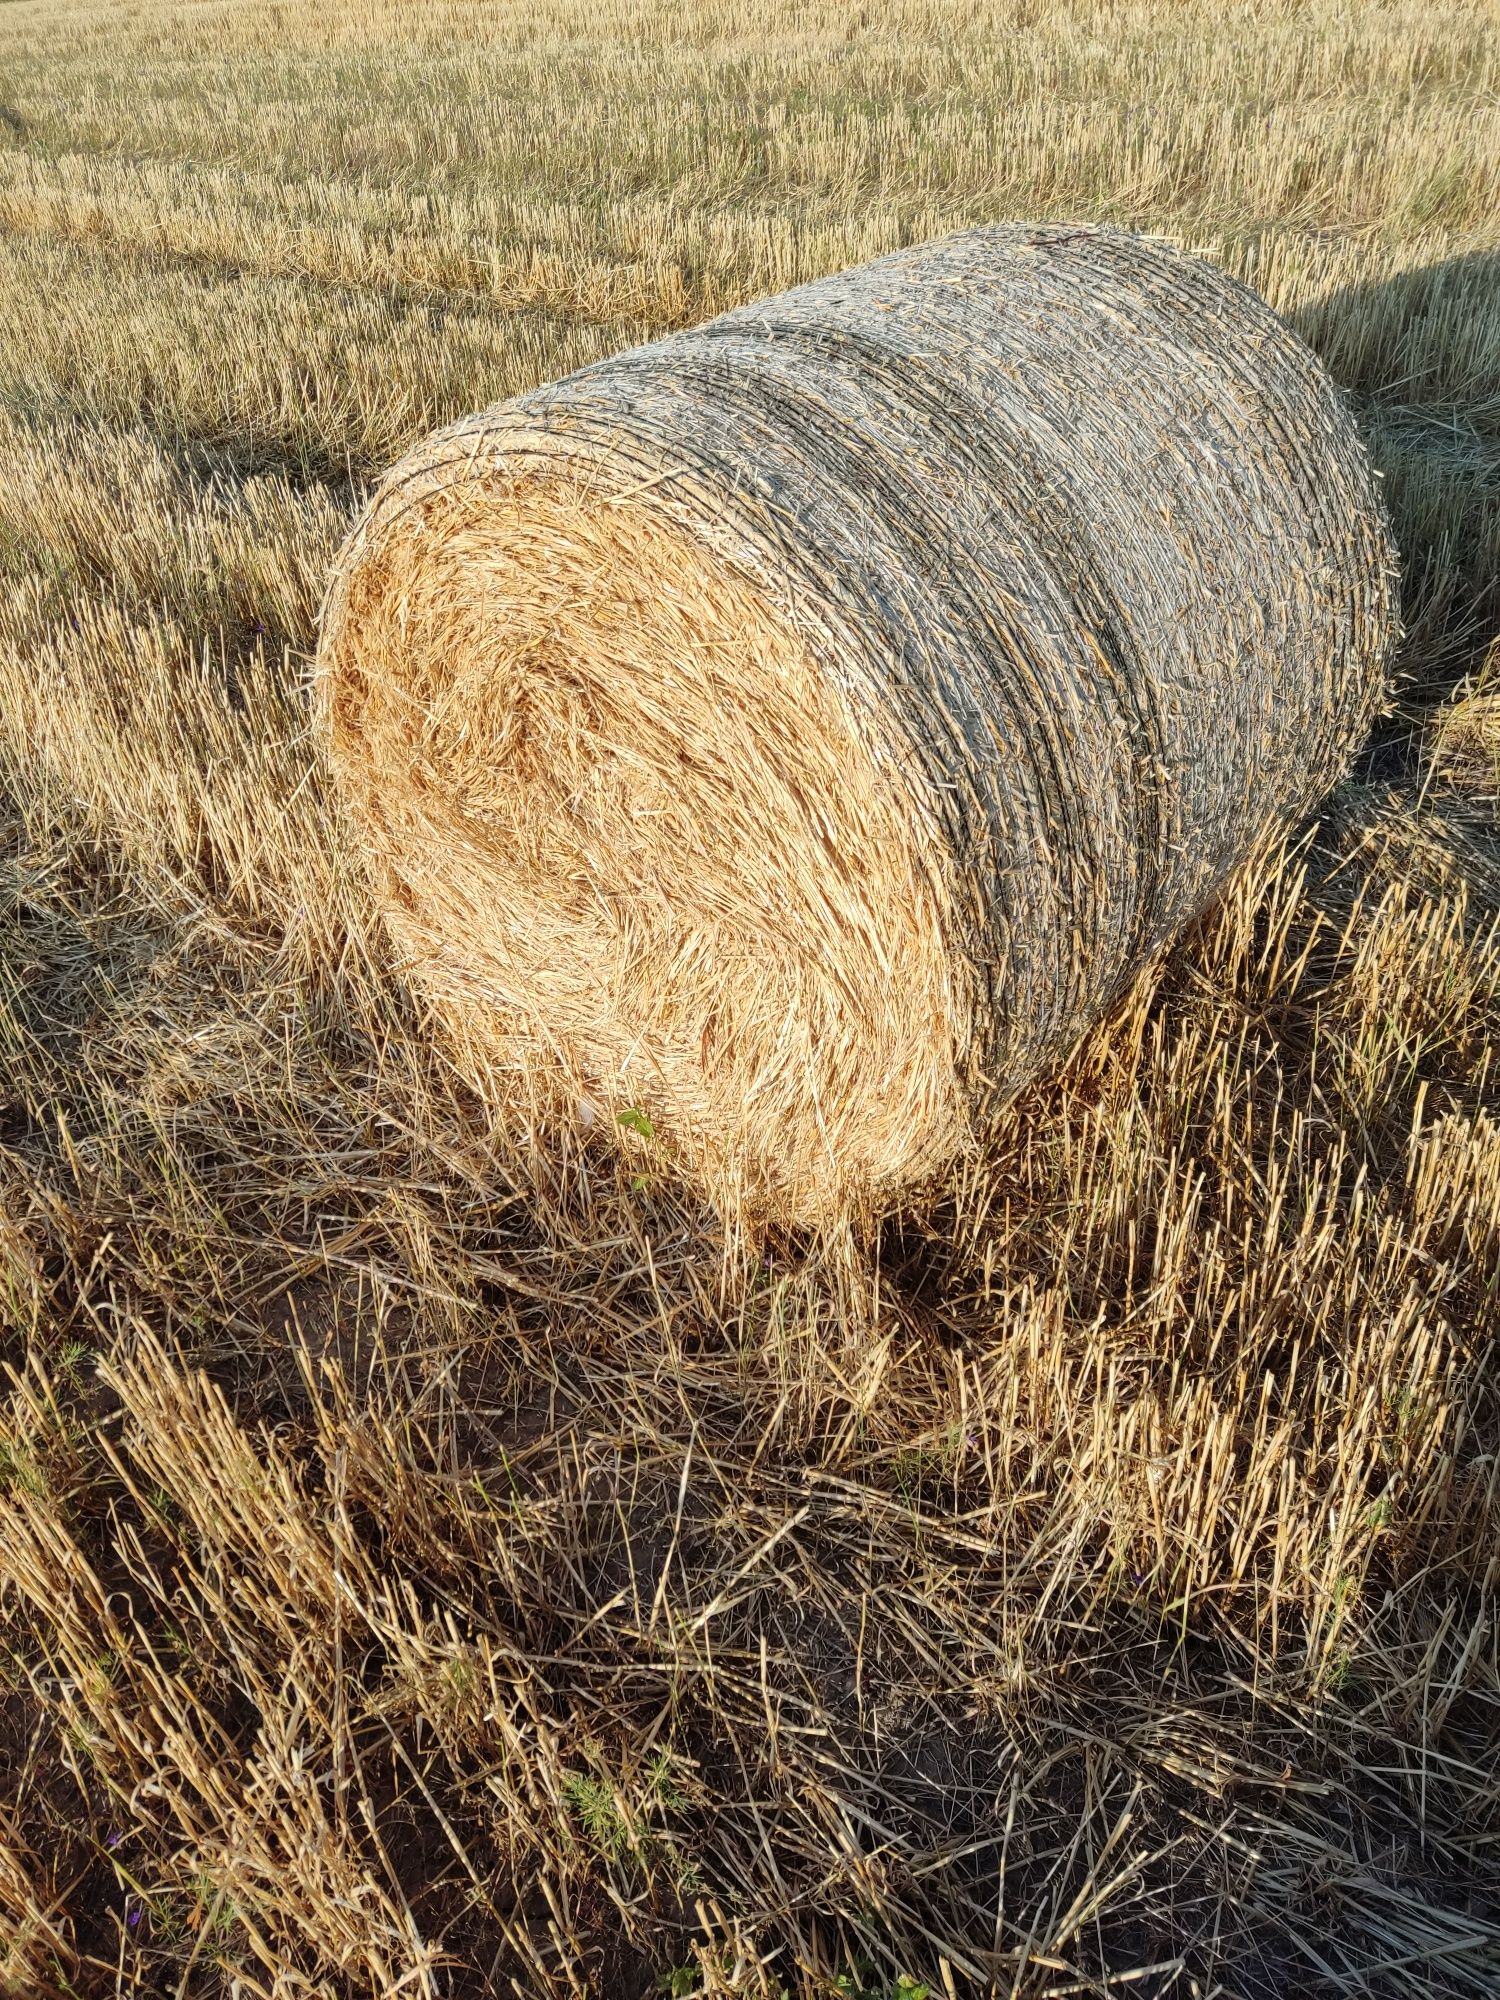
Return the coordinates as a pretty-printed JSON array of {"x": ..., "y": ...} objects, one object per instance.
[{"x": 433, "y": 1559}]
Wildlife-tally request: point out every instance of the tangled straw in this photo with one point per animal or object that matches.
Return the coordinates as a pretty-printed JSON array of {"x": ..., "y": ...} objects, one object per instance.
[{"x": 793, "y": 733}]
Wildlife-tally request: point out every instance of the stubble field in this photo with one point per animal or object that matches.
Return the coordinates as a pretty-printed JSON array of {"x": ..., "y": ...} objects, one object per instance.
[{"x": 426, "y": 1566}]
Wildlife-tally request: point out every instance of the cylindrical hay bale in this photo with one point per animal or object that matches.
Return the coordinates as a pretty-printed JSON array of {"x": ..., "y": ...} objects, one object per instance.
[{"x": 793, "y": 733}]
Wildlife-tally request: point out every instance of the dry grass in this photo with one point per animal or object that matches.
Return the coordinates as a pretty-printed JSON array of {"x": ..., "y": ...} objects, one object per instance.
[{"x": 1091, "y": 1590}]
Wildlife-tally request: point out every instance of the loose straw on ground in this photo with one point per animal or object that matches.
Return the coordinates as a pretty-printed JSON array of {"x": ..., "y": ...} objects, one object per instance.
[{"x": 793, "y": 733}]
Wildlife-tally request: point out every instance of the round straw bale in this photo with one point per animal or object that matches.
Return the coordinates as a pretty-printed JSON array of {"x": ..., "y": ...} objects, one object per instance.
[{"x": 793, "y": 733}]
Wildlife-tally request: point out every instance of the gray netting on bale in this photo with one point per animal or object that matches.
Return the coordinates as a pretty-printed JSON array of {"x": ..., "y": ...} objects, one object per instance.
[{"x": 799, "y": 729}]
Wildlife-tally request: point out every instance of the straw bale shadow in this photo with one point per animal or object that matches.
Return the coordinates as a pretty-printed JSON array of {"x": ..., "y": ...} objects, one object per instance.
[{"x": 1419, "y": 354}]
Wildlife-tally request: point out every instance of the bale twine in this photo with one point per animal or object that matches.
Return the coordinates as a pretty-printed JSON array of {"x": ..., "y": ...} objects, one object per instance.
[{"x": 789, "y": 736}]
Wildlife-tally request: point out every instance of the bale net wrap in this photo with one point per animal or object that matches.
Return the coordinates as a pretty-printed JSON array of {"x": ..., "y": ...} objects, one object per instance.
[{"x": 792, "y": 734}]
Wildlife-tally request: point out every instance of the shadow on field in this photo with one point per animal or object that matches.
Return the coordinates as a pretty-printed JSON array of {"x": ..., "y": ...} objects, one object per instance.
[{"x": 1419, "y": 353}]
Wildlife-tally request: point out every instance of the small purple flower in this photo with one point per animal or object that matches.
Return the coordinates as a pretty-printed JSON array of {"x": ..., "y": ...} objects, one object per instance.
[
  {"x": 134, "y": 1917},
  {"x": 114, "y": 1840}
]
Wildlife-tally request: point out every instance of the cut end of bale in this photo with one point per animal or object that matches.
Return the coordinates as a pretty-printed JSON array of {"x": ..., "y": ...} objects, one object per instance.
[{"x": 634, "y": 845}]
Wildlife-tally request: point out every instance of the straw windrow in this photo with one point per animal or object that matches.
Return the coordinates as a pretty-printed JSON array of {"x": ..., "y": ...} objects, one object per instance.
[{"x": 796, "y": 731}]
